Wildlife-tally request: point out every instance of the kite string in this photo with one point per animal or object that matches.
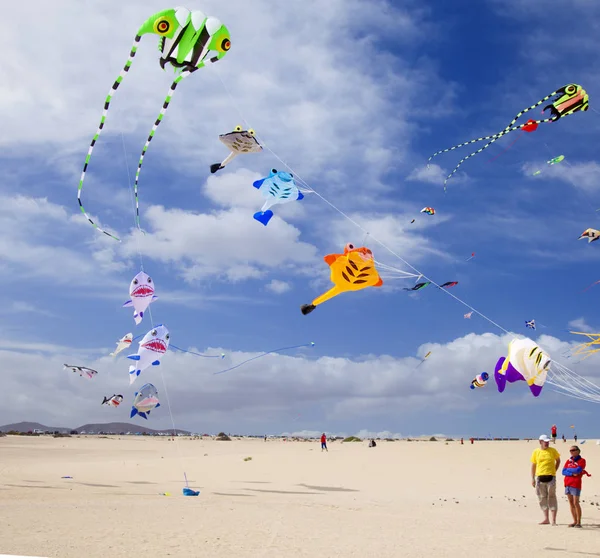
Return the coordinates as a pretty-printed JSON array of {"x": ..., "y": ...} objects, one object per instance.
[
  {"x": 354, "y": 222},
  {"x": 135, "y": 220},
  {"x": 383, "y": 245}
]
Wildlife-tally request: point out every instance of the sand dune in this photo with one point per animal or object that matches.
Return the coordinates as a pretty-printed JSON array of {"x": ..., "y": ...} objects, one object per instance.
[{"x": 400, "y": 499}]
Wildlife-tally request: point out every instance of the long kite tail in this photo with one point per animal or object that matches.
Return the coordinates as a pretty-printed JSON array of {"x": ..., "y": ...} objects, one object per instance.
[
  {"x": 109, "y": 97},
  {"x": 161, "y": 115},
  {"x": 492, "y": 138}
]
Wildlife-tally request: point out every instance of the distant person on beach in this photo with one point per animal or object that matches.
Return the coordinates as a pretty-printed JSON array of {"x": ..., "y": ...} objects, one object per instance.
[
  {"x": 573, "y": 471},
  {"x": 575, "y": 437},
  {"x": 324, "y": 442},
  {"x": 553, "y": 432},
  {"x": 545, "y": 461},
  {"x": 564, "y": 439},
  {"x": 372, "y": 443}
]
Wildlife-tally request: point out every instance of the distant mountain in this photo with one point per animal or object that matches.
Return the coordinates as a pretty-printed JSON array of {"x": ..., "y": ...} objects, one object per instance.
[
  {"x": 114, "y": 427},
  {"x": 117, "y": 427},
  {"x": 27, "y": 426}
]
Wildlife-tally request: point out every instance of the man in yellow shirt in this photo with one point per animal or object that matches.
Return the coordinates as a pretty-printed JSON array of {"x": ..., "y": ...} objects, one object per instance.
[{"x": 545, "y": 461}]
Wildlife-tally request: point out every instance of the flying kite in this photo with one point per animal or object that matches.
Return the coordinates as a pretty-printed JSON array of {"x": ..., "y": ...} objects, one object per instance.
[
  {"x": 123, "y": 343},
  {"x": 152, "y": 347},
  {"x": 418, "y": 286},
  {"x": 590, "y": 234},
  {"x": 525, "y": 362},
  {"x": 468, "y": 316},
  {"x": 239, "y": 141},
  {"x": 82, "y": 370},
  {"x": 428, "y": 210},
  {"x": 422, "y": 361},
  {"x": 113, "y": 400},
  {"x": 188, "y": 41},
  {"x": 141, "y": 291},
  {"x": 144, "y": 401},
  {"x": 530, "y": 324},
  {"x": 449, "y": 284},
  {"x": 480, "y": 380},
  {"x": 278, "y": 187},
  {"x": 552, "y": 161},
  {"x": 470, "y": 257},
  {"x": 563, "y": 102},
  {"x": 351, "y": 271}
]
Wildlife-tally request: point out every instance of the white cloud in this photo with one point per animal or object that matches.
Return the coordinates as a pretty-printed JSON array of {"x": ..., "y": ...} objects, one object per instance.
[
  {"x": 378, "y": 387},
  {"x": 583, "y": 176},
  {"x": 228, "y": 244},
  {"x": 580, "y": 324},
  {"x": 278, "y": 287},
  {"x": 432, "y": 174}
]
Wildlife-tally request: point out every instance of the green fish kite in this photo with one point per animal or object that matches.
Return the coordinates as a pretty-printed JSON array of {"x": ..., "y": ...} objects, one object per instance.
[{"x": 188, "y": 41}]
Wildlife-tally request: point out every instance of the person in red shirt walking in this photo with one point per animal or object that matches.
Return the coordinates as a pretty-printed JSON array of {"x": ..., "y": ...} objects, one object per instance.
[
  {"x": 573, "y": 471},
  {"x": 324, "y": 442},
  {"x": 553, "y": 432}
]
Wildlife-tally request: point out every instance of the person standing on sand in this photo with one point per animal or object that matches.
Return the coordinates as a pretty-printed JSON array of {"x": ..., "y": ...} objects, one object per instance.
[
  {"x": 545, "y": 461},
  {"x": 573, "y": 471},
  {"x": 324, "y": 442},
  {"x": 553, "y": 432}
]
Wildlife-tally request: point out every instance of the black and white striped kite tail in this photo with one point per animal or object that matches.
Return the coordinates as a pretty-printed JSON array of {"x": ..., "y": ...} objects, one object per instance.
[
  {"x": 161, "y": 115},
  {"x": 109, "y": 97},
  {"x": 510, "y": 128}
]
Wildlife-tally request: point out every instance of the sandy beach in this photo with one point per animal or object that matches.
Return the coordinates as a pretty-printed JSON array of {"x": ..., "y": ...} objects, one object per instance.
[{"x": 413, "y": 499}]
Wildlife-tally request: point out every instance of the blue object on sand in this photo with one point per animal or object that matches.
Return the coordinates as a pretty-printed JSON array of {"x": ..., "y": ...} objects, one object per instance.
[{"x": 190, "y": 492}]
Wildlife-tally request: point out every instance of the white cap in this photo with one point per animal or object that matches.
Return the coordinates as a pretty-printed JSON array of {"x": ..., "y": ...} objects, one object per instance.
[{"x": 544, "y": 438}]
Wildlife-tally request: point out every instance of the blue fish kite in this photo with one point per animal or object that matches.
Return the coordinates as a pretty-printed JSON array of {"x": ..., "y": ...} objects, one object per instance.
[{"x": 278, "y": 187}]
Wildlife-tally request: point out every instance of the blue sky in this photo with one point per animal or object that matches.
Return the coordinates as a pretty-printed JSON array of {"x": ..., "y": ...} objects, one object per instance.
[{"x": 354, "y": 97}]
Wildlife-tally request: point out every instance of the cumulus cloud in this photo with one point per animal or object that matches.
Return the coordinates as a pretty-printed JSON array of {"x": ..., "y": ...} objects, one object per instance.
[
  {"x": 580, "y": 324},
  {"x": 278, "y": 287},
  {"x": 584, "y": 176},
  {"x": 268, "y": 390}
]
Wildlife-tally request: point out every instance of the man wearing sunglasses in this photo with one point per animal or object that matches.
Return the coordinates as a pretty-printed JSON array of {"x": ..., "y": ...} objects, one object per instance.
[
  {"x": 545, "y": 461},
  {"x": 573, "y": 471}
]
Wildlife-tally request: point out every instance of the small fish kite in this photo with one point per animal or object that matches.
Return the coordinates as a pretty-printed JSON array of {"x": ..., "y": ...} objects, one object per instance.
[
  {"x": 123, "y": 343},
  {"x": 591, "y": 234},
  {"x": 468, "y": 316},
  {"x": 448, "y": 284},
  {"x": 428, "y": 210},
  {"x": 480, "y": 380},
  {"x": 525, "y": 362},
  {"x": 152, "y": 347},
  {"x": 239, "y": 141},
  {"x": 530, "y": 324},
  {"x": 422, "y": 361},
  {"x": 418, "y": 286},
  {"x": 188, "y": 41},
  {"x": 145, "y": 401},
  {"x": 278, "y": 187},
  {"x": 564, "y": 101},
  {"x": 141, "y": 291},
  {"x": 353, "y": 270},
  {"x": 82, "y": 370},
  {"x": 113, "y": 401},
  {"x": 553, "y": 161}
]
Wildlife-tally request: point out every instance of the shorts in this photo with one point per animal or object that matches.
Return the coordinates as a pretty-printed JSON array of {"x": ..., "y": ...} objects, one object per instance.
[
  {"x": 572, "y": 490},
  {"x": 546, "y": 493}
]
